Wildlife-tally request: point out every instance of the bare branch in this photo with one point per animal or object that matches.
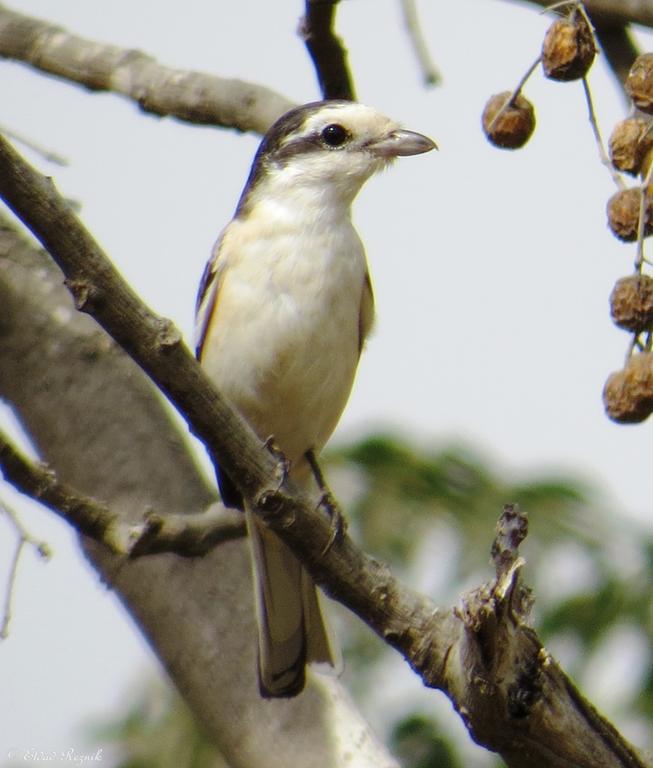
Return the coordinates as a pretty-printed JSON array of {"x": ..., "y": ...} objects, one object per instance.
[
  {"x": 190, "y": 96},
  {"x": 327, "y": 52},
  {"x": 24, "y": 539},
  {"x": 47, "y": 154},
  {"x": 187, "y": 534},
  {"x": 430, "y": 73},
  {"x": 512, "y": 696}
]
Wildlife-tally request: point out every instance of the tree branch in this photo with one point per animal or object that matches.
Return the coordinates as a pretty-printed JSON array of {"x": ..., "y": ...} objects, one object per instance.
[
  {"x": 430, "y": 73},
  {"x": 188, "y": 534},
  {"x": 193, "y": 97},
  {"x": 326, "y": 50},
  {"x": 512, "y": 696}
]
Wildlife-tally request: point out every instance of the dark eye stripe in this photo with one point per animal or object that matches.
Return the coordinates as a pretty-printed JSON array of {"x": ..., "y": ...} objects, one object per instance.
[{"x": 276, "y": 150}]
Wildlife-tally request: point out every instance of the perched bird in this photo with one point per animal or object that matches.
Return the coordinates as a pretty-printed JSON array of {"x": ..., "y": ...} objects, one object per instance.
[{"x": 283, "y": 310}]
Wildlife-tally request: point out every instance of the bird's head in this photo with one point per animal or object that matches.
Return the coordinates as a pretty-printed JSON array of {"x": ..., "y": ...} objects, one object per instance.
[{"x": 329, "y": 148}]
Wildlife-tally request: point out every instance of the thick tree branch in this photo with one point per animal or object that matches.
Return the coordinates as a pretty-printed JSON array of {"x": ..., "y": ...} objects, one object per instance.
[
  {"x": 327, "y": 52},
  {"x": 187, "y": 534},
  {"x": 511, "y": 694},
  {"x": 190, "y": 96}
]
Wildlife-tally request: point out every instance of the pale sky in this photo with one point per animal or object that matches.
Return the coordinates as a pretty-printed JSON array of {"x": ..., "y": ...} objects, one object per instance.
[{"x": 492, "y": 272}]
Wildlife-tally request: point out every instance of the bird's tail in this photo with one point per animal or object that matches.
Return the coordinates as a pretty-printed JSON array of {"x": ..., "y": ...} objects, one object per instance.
[{"x": 291, "y": 628}]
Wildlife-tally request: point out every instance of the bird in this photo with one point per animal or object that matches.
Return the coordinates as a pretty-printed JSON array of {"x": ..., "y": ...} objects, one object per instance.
[{"x": 284, "y": 307}]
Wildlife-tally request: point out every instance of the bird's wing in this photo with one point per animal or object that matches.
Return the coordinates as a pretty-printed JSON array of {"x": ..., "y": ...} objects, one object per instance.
[
  {"x": 207, "y": 295},
  {"x": 366, "y": 312}
]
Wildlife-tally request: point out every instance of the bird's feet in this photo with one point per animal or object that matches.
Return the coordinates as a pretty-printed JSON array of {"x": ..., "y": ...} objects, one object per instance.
[
  {"x": 328, "y": 503},
  {"x": 283, "y": 464}
]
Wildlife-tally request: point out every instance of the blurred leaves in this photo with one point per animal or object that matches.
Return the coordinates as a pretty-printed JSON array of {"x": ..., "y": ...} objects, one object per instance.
[
  {"x": 418, "y": 743},
  {"x": 158, "y": 730}
]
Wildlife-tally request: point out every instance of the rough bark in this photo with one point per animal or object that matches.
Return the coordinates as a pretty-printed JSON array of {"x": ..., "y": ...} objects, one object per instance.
[{"x": 190, "y": 96}]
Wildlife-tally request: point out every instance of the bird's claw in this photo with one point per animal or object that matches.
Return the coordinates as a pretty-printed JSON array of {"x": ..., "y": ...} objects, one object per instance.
[
  {"x": 337, "y": 519},
  {"x": 283, "y": 464}
]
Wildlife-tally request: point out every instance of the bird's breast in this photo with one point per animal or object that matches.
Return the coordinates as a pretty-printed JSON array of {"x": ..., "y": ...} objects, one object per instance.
[{"x": 284, "y": 341}]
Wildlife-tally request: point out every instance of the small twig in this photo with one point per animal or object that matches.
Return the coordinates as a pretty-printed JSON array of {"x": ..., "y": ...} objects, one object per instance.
[
  {"x": 46, "y": 154},
  {"x": 513, "y": 96},
  {"x": 326, "y": 50},
  {"x": 603, "y": 155},
  {"x": 9, "y": 593},
  {"x": 430, "y": 72},
  {"x": 24, "y": 539},
  {"x": 188, "y": 534}
]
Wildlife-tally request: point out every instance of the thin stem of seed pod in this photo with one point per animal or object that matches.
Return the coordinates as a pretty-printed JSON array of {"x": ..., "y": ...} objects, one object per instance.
[
  {"x": 643, "y": 216},
  {"x": 524, "y": 78},
  {"x": 561, "y": 4},
  {"x": 513, "y": 96},
  {"x": 580, "y": 7},
  {"x": 603, "y": 155},
  {"x": 633, "y": 344},
  {"x": 639, "y": 257},
  {"x": 24, "y": 538}
]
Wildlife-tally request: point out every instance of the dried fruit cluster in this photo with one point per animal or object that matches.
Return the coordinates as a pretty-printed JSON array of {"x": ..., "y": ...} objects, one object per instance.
[
  {"x": 568, "y": 51},
  {"x": 628, "y": 393},
  {"x": 567, "y": 54}
]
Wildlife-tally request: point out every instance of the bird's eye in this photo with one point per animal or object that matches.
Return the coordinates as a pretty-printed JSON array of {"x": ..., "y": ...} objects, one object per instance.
[{"x": 335, "y": 135}]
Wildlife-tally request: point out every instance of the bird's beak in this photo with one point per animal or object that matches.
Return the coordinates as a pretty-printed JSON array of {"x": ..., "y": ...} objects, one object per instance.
[{"x": 400, "y": 143}]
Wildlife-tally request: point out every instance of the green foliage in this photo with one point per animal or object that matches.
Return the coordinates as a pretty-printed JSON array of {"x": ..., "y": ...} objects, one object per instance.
[
  {"x": 418, "y": 743},
  {"x": 400, "y": 481}
]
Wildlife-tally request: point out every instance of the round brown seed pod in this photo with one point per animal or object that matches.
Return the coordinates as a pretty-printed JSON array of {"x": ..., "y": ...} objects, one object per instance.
[
  {"x": 630, "y": 142},
  {"x": 623, "y": 214},
  {"x": 628, "y": 394},
  {"x": 639, "y": 83},
  {"x": 568, "y": 49},
  {"x": 508, "y": 128},
  {"x": 631, "y": 303}
]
